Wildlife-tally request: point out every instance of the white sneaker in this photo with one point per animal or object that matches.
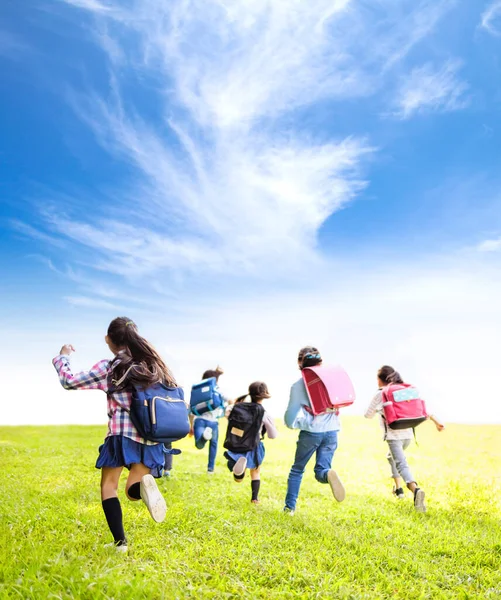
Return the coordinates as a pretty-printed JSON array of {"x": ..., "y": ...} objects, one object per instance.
[
  {"x": 240, "y": 466},
  {"x": 289, "y": 511},
  {"x": 419, "y": 504},
  {"x": 336, "y": 486},
  {"x": 209, "y": 472},
  {"x": 207, "y": 434},
  {"x": 153, "y": 499},
  {"x": 123, "y": 548}
]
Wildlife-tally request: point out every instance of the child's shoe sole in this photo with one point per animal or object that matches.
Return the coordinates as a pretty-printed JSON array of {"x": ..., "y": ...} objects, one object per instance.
[
  {"x": 123, "y": 549},
  {"x": 240, "y": 466},
  {"x": 419, "y": 504},
  {"x": 153, "y": 499},
  {"x": 207, "y": 434},
  {"x": 337, "y": 487}
]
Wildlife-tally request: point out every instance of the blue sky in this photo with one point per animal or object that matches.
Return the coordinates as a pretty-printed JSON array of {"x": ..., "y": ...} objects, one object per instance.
[{"x": 242, "y": 178}]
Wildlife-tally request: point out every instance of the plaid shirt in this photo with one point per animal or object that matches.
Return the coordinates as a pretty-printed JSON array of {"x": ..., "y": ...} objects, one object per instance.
[{"x": 97, "y": 378}]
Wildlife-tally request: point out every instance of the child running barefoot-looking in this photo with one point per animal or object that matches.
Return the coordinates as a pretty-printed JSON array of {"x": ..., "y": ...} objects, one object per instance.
[
  {"x": 239, "y": 462},
  {"x": 123, "y": 447},
  {"x": 398, "y": 441}
]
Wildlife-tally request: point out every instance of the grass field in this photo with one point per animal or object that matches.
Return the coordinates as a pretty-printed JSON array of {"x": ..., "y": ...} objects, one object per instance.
[{"x": 215, "y": 544}]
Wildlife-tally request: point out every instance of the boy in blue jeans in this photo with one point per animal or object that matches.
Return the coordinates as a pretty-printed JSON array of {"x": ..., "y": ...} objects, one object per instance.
[
  {"x": 205, "y": 428},
  {"x": 318, "y": 436}
]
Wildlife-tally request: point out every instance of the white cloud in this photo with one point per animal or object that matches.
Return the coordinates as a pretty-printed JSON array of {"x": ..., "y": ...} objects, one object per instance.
[
  {"x": 96, "y": 303},
  {"x": 428, "y": 89},
  {"x": 226, "y": 167},
  {"x": 32, "y": 232},
  {"x": 491, "y": 18},
  {"x": 489, "y": 245},
  {"x": 93, "y": 5}
]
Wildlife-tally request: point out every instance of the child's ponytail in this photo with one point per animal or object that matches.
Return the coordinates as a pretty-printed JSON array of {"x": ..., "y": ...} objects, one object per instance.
[
  {"x": 257, "y": 391},
  {"x": 388, "y": 375}
]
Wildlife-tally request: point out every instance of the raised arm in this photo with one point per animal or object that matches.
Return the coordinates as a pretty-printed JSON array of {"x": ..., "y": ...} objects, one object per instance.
[{"x": 95, "y": 379}]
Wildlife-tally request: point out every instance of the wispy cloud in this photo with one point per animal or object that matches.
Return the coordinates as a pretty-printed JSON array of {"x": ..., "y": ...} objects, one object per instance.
[
  {"x": 96, "y": 303},
  {"x": 11, "y": 45},
  {"x": 491, "y": 18},
  {"x": 34, "y": 233},
  {"x": 490, "y": 245},
  {"x": 428, "y": 89},
  {"x": 227, "y": 182}
]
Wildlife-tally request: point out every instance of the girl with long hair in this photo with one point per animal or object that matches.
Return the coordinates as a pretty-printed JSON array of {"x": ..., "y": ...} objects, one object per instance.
[{"x": 135, "y": 362}]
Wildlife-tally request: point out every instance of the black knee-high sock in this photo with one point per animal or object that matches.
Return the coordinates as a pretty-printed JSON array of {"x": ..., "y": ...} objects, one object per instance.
[
  {"x": 135, "y": 491},
  {"x": 255, "y": 483},
  {"x": 113, "y": 513}
]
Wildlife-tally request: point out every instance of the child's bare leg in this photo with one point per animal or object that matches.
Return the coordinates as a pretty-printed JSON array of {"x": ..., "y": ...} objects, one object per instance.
[
  {"x": 133, "y": 485},
  {"x": 412, "y": 486},
  {"x": 142, "y": 486},
  {"x": 398, "y": 482}
]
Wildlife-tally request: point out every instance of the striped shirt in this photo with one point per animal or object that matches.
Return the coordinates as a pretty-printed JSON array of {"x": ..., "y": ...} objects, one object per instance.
[
  {"x": 97, "y": 378},
  {"x": 376, "y": 406}
]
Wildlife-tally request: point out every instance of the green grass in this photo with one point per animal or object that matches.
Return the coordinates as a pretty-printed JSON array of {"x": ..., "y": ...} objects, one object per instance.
[{"x": 215, "y": 544}]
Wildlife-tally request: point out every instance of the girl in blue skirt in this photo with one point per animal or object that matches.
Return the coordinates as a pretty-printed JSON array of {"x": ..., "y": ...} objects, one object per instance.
[
  {"x": 238, "y": 463},
  {"x": 123, "y": 446}
]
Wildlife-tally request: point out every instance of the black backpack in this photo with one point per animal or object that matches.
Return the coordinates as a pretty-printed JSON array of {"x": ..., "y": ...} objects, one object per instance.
[{"x": 244, "y": 427}]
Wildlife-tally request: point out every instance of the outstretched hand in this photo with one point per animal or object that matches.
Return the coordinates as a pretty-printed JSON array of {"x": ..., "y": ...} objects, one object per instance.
[
  {"x": 67, "y": 349},
  {"x": 439, "y": 426}
]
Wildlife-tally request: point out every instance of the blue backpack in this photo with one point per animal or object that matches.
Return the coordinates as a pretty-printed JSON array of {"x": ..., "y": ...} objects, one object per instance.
[
  {"x": 159, "y": 413},
  {"x": 205, "y": 397}
]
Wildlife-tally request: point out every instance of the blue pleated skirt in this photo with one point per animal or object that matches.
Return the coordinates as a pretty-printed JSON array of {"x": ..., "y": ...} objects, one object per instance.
[
  {"x": 254, "y": 457},
  {"x": 120, "y": 451}
]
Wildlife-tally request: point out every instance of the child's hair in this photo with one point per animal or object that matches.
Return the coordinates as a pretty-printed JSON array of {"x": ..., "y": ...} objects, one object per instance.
[
  {"x": 257, "y": 391},
  {"x": 388, "y": 375},
  {"x": 211, "y": 373},
  {"x": 309, "y": 356},
  {"x": 148, "y": 367}
]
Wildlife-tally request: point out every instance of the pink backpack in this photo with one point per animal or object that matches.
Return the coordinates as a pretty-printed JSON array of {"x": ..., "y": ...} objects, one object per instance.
[
  {"x": 328, "y": 389},
  {"x": 402, "y": 406}
]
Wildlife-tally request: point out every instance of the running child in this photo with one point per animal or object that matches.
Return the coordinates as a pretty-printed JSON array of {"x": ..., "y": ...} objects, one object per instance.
[
  {"x": 318, "y": 435},
  {"x": 123, "y": 447},
  {"x": 252, "y": 459},
  {"x": 398, "y": 441},
  {"x": 205, "y": 427}
]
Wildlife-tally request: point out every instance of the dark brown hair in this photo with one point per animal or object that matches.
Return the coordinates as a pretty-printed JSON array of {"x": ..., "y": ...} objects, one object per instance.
[
  {"x": 257, "y": 391},
  {"x": 309, "y": 356},
  {"x": 147, "y": 366},
  {"x": 211, "y": 373},
  {"x": 388, "y": 375}
]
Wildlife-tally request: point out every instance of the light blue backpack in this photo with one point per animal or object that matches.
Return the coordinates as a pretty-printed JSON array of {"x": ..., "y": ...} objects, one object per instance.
[{"x": 205, "y": 397}]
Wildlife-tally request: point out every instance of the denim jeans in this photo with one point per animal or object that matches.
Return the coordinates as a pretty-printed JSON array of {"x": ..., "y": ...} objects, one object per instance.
[
  {"x": 198, "y": 428},
  {"x": 324, "y": 444}
]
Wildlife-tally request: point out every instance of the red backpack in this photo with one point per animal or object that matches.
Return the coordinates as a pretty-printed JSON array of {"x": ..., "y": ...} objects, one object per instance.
[
  {"x": 402, "y": 406},
  {"x": 328, "y": 389}
]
